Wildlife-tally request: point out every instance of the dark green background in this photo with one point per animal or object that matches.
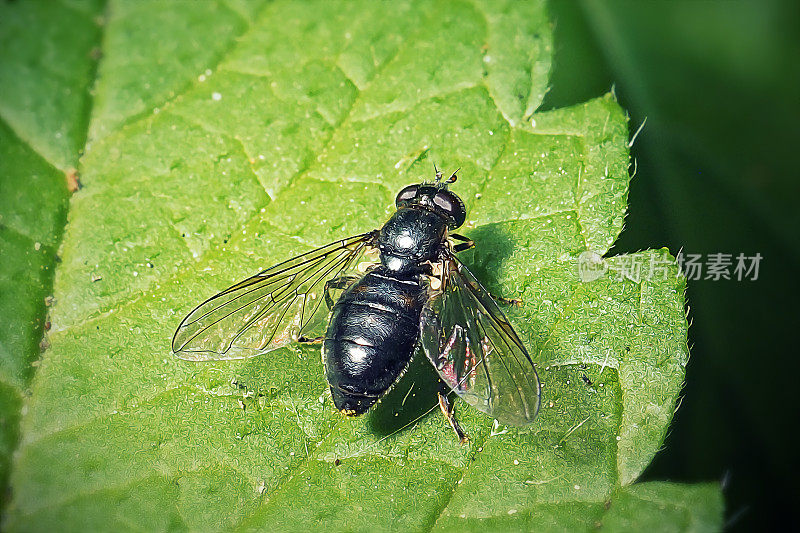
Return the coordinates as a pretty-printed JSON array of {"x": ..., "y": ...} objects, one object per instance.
[{"x": 719, "y": 83}]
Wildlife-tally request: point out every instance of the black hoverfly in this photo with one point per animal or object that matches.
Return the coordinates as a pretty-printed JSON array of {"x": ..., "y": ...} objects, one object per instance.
[{"x": 417, "y": 296}]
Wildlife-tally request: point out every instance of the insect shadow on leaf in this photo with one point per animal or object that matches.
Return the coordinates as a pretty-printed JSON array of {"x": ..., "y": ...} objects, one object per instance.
[
  {"x": 486, "y": 260},
  {"x": 413, "y": 395}
]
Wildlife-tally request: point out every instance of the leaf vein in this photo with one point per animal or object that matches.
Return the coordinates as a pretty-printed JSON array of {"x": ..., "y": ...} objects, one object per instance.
[{"x": 140, "y": 116}]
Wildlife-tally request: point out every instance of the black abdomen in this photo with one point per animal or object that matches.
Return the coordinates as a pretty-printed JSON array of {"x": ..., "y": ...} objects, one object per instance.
[{"x": 371, "y": 337}]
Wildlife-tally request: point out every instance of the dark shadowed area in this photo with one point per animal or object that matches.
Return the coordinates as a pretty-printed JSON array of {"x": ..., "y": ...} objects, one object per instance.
[{"x": 716, "y": 173}]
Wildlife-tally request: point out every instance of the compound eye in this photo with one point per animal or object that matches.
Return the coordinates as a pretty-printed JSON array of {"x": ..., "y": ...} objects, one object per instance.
[
  {"x": 406, "y": 195},
  {"x": 452, "y": 206},
  {"x": 444, "y": 201}
]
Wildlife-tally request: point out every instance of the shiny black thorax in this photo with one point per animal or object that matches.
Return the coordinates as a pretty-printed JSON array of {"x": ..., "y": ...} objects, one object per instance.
[{"x": 374, "y": 326}]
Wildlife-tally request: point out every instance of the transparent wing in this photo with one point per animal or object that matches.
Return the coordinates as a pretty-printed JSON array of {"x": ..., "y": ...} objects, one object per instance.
[
  {"x": 270, "y": 309},
  {"x": 476, "y": 351}
]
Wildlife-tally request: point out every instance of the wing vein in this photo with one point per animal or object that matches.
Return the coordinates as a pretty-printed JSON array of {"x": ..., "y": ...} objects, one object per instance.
[{"x": 246, "y": 318}]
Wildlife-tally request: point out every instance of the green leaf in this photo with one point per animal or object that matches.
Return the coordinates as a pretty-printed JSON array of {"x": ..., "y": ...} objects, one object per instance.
[
  {"x": 27, "y": 246},
  {"x": 48, "y": 65},
  {"x": 42, "y": 125},
  {"x": 230, "y": 136}
]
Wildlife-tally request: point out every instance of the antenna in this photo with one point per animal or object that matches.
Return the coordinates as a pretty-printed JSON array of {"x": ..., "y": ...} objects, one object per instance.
[
  {"x": 437, "y": 173},
  {"x": 453, "y": 177}
]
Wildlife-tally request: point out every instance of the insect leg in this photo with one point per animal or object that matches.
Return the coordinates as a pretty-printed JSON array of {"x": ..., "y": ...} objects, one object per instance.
[
  {"x": 466, "y": 243},
  {"x": 447, "y": 410},
  {"x": 340, "y": 283},
  {"x": 508, "y": 301},
  {"x": 435, "y": 272}
]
